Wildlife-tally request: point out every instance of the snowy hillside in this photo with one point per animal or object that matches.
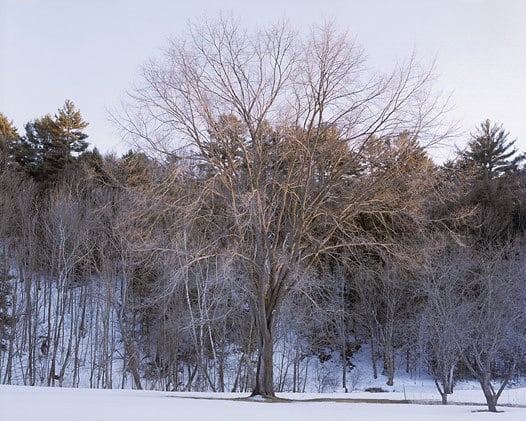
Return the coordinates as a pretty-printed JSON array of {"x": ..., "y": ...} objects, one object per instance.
[{"x": 99, "y": 362}]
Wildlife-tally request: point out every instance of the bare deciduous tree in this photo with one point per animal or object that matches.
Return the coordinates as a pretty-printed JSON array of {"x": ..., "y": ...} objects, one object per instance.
[
  {"x": 494, "y": 295},
  {"x": 276, "y": 124},
  {"x": 440, "y": 284},
  {"x": 475, "y": 315}
]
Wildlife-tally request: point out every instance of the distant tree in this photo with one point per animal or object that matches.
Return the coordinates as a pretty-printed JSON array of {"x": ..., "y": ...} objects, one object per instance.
[
  {"x": 70, "y": 126},
  {"x": 31, "y": 152},
  {"x": 491, "y": 152},
  {"x": 51, "y": 143},
  {"x": 136, "y": 169},
  {"x": 8, "y": 137},
  {"x": 477, "y": 307},
  {"x": 487, "y": 179},
  {"x": 440, "y": 284}
]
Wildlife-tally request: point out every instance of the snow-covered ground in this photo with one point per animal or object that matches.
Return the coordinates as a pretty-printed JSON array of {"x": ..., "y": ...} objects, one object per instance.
[{"x": 19, "y": 403}]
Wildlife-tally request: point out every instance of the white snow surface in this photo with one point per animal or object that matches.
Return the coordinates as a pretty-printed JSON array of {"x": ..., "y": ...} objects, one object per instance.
[{"x": 21, "y": 403}]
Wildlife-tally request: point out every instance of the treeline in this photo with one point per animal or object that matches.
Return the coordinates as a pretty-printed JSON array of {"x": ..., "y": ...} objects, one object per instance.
[
  {"x": 102, "y": 274},
  {"x": 272, "y": 241}
]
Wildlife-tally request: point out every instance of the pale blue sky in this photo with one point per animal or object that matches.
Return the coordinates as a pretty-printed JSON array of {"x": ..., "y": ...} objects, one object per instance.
[{"x": 90, "y": 50}]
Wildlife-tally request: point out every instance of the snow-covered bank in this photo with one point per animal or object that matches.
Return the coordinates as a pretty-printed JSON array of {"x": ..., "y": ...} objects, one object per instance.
[{"x": 60, "y": 404}]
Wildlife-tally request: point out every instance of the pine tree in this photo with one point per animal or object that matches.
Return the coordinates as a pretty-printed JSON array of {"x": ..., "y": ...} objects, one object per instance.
[
  {"x": 51, "y": 143},
  {"x": 70, "y": 126},
  {"x": 491, "y": 153},
  {"x": 8, "y": 137},
  {"x": 489, "y": 164}
]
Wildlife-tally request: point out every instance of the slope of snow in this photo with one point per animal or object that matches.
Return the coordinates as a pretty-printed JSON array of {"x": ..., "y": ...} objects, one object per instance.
[{"x": 60, "y": 404}]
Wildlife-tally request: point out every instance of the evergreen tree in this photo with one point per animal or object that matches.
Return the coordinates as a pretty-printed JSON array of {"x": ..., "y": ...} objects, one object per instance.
[
  {"x": 490, "y": 151},
  {"x": 35, "y": 150},
  {"x": 51, "y": 143},
  {"x": 8, "y": 137},
  {"x": 488, "y": 168},
  {"x": 70, "y": 126}
]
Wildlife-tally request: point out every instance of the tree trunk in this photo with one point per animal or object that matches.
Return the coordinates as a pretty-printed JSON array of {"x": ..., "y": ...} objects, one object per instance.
[
  {"x": 373, "y": 356},
  {"x": 238, "y": 373},
  {"x": 344, "y": 373},
  {"x": 491, "y": 398},
  {"x": 264, "y": 305},
  {"x": 444, "y": 398},
  {"x": 265, "y": 369},
  {"x": 491, "y": 401},
  {"x": 12, "y": 336},
  {"x": 389, "y": 364},
  {"x": 442, "y": 391}
]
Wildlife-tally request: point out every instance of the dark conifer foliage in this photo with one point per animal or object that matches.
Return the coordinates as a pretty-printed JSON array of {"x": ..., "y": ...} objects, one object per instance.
[
  {"x": 491, "y": 152},
  {"x": 8, "y": 137},
  {"x": 490, "y": 172},
  {"x": 51, "y": 143}
]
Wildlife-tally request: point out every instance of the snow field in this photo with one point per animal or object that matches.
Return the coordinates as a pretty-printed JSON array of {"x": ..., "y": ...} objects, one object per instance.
[{"x": 19, "y": 403}]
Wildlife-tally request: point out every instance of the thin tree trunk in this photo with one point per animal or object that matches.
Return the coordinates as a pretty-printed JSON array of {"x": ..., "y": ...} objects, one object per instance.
[
  {"x": 12, "y": 337},
  {"x": 238, "y": 373},
  {"x": 80, "y": 331},
  {"x": 30, "y": 334},
  {"x": 373, "y": 355}
]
